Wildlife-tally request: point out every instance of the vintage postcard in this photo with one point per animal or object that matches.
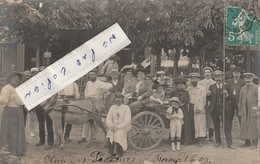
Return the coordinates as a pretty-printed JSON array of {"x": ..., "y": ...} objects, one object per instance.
[{"x": 129, "y": 81}]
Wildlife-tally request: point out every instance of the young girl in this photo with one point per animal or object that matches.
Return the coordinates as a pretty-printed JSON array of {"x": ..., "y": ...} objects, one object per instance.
[{"x": 174, "y": 113}]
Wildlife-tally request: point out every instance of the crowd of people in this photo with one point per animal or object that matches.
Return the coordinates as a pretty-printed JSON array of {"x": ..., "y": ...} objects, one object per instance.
[{"x": 196, "y": 108}]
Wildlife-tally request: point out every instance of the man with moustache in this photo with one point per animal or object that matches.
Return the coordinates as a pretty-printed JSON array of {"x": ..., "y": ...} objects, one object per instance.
[
  {"x": 233, "y": 88},
  {"x": 249, "y": 111},
  {"x": 217, "y": 106},
  {"x": 197, "y": 109},
  {"x": 95, "y": 90},
  {"x": 118, "y": 121},
  {"x": 206, "y": 82}
]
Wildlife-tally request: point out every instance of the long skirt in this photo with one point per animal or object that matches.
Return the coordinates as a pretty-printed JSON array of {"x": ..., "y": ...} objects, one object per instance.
[
  {"x": 12, "y": 131},
  {"x": 186, "y": 134}
]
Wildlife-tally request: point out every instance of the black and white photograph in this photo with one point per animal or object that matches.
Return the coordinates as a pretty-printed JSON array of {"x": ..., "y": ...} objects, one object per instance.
[{"x": 129, "y": 81}]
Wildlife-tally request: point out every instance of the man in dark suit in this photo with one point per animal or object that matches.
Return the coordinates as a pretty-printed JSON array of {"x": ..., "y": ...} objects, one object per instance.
[
  {"x": 233, "y": 88},
  {"x": 216, "y": 107}
]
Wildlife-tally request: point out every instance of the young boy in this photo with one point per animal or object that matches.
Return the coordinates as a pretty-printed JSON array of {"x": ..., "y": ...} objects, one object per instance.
[
  {"x": 174, "y": 113},
  {"x": 158, "y": 94}
]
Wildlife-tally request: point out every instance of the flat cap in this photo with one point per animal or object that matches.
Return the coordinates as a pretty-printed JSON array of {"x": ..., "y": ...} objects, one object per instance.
[
  {"x": 194, "y": 74},
  {"x": 207, "y": 68}
]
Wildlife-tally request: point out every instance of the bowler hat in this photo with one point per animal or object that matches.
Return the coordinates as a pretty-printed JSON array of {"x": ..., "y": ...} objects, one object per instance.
[{"x": 237, "y": 69}]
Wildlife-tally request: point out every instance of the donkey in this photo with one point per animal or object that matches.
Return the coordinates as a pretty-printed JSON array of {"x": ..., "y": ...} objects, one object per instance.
[{"x": 73, "y": 112}]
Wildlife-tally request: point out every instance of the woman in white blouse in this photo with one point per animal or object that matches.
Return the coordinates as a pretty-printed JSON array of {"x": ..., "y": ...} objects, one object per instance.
[{"x": 12, "y": 131}]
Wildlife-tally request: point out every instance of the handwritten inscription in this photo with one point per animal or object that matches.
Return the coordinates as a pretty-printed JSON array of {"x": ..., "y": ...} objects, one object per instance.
[
  {"x": 154, "y": 157},
  {"x": 72, "y": 66}
]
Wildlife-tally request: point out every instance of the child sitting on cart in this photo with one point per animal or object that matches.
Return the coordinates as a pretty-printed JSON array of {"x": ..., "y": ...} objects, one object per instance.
[
  {"x": 175, "y": 115},
  {"x": 158, "y": 95}
]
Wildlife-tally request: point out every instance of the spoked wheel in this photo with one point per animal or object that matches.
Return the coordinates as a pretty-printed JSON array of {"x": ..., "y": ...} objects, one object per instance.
[{"x": 147, "y": 131}]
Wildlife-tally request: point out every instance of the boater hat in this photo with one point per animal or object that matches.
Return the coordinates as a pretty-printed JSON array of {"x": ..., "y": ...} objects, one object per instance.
[{"x": 176, "y": 99}]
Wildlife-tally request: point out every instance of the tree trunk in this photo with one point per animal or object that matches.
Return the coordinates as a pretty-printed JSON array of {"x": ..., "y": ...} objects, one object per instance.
[
  {"x": 158, "y": 61},
  {"x": 175, "y": 62},
  {"x": 38, "y": 56}
]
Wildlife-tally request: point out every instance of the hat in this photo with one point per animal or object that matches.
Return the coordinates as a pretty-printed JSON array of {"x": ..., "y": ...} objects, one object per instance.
[
  {"x": 114, "y": 70},
  {"x": 144, "y": 70},
  {"x": 10, "y": 76},
  {"x": 194, "y": 74},
  {"x": 160, "y": 72},
  {"x": 27, "y": 73},
  {"x": 207, "y": 68},
  {"x": 127, "y": 68},
  {"x": 218, "y": 73},
  {"x": 176, "y": 99},
  {"x": 35, "y": 69},
  {"x": 180, "y": 80},
  {"x": 237, "y": 69},
  {"x": 95, "y": 70},
  {"x": 42, "y": 68},
  {"x": 157, "y": 85},
  {"x": 248, "y": 74},
  {"x": 118, "y": 94}
]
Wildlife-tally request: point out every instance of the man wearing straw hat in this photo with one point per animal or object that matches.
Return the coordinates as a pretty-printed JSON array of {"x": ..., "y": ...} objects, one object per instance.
[
  {"x": 248, "y": 108},
  {"x": 197, "y": 111}
]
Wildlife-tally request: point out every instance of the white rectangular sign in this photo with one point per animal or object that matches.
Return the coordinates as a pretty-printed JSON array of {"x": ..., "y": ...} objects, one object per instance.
[{"x": 72, "y": 66}]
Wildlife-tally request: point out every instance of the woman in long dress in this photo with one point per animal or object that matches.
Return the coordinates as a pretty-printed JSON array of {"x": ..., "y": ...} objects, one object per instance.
[{"x": 12, "y": 130}]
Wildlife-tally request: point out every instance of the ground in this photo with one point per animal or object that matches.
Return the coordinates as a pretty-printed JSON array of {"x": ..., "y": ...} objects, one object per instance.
[{"x": 75, "y": 153}]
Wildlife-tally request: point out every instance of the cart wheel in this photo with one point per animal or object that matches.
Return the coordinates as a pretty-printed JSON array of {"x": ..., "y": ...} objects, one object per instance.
[{"x": 147, "y": 131}]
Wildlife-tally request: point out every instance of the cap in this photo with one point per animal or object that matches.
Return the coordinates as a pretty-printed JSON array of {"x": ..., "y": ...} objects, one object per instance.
[
  {"x": 176, "y": 99},
  {"x": 114, "y": 70},
  {"x": 194, "y": 74},
  {"x": 118, "y": 94},
  {"x": 35, "y": 69},
  {"x": 248, "y": 74},
  {"x": 157, "y": 85},
  {"x": 95, "y": 70},
  {"x": 180, "y": 80},
  {"x": 207, "y": 68},
  {"x": 218, "y": 73},
  {"x": 160, "y": 72},
  {"x": 237, "y": 69}
]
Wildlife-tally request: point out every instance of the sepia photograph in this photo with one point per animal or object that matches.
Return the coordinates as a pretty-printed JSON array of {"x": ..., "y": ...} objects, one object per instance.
[{"x": 129, "y": 81}]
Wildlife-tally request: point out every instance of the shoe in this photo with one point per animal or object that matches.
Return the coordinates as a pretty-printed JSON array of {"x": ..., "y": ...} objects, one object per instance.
[
  {"x": 231, "y": 147},
  {"x": 178, "y": 146},
  {"x": 173, "y": 147},
  {"x": 39, "y": 144},
  {"x": 245, "y": 145},
  {"x": 200, "y": 144},
  {"x": 82, "y": 140},
  {"x": 48, "y": 147},
  {"x": 32, "y": 134},
  {"x": 217, "y": 145},
  {"x": 67, "y": 139}
]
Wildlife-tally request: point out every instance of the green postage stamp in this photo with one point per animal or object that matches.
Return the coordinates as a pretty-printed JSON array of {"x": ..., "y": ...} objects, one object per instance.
[{"x": 242, "y": 28}]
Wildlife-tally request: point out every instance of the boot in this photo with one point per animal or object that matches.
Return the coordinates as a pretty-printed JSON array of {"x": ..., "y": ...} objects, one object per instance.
[
  {"x": 200, "y": 140},
  {"x": 178, "y": 146},
  {"x": 173, "y": 146}
]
